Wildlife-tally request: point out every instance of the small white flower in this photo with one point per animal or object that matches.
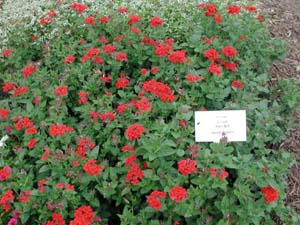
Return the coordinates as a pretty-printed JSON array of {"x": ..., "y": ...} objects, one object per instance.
[{"x": 3, "y": 139}]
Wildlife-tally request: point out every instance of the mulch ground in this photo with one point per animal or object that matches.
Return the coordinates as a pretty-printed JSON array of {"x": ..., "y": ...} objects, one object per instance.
[{"x": 283, "y": 18}]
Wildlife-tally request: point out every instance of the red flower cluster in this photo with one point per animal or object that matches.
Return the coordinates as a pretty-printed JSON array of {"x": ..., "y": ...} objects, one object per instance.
[
  {"x": 121, "y": 57},
  {"x": 156, "y": 22},
  {"x": 7, "y": 52},
  {"x": 61, "y": 91},
  {"x": 6, "y": 199},
  {"x": 187, "y": 166},
  {"x": 83, "y": 97},
  {"x": 122, "y": 83},
  {"x": 163, "y": 49},
  {"x": 229, "y": 51},
  {"x": 84, "y": 145},
  {"x": 233, "y": 9},
  {"x": 78, "y": 7},
  {"x": 134, "y": 131},
  {"x": 130, "y": 160},
  {"x": 57, "y": 219},
  {"x": 92, "y": 168},
  {"x": 211, "y": 54},
  {"x": 31, "y": 130},
  {"x": 20, "y": 91},
  {"x": 104, "y": 19},
  {"x": 222, "y": 173},
  {"x": 104, "y": 117},
  {"x": 31, "y": 143},
  {"x": 28, "y": 70},
  {"x": 83, "y": 216},
  {"x": 45, "y": 155},
  {"x": 193, "y": 78},
  {"x": 122, "y": 10},
  {"x": 45, "y": 20},
  {"x": 127, "y": 148},
  {"x": 270, "y": 193},
  {"x": 109, "y": 49},
  {"x": 4, "y": 114},
  {"x": 69, "y": 59},
  {"x": 159, "y": 89},
  {"x": 210, "y": 10},
  {"x": 93, "y": 55},
  {"x": 154, "y": 199},
  {"x": 237, "y": 84},
  {"x": 177, "y": 56},
  {"x": 135, "y": 30},
  {"x": 133, "y": 19},
  {"x": 56, "y": 130},
  {"x": 178, "y": 193},
  {"x": 134, "y": 174},
  {"x": 22, "y": 123},
  {"x": 90, "y": 20},
  {"x": 24, "y": 196},
  {"x": 143, "y": 105},
  {"x": 5, "y": 173},
  {"x": 215, "y": 69},
  {"x": 8, "y": 87}
]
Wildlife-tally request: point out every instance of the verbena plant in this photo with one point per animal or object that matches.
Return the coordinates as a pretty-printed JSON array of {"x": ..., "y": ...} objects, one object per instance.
[{"x": 99, "y": 117}]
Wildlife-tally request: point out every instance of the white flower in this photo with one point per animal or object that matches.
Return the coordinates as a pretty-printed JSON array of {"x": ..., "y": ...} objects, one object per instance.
[{"x": 3, "y": 139}]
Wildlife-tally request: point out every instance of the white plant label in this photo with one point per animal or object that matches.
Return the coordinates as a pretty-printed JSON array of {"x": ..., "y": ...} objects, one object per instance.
[{"x": 212, "y": 126}]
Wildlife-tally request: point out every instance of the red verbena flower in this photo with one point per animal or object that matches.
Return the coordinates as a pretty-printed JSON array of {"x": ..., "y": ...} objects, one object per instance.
[
  {"x": 83, "y": 97},
  {"x": 134, "y": 131},
  {"x": 270, "y": 193},
  {"x": 31, "y": 130},
  {"x": 122, "y": 83},
  {"x": 130, "y": 160},
  {"x": 210, "y": 10},
  {"x": 28, "y": 70},
  {"x": 178, "y": 193},
  {"x": 45, "y": 155},
  {"x": 92, "y": 168},
  {"x": 143, "y": 105},
  {"x": 20, "y": 91},
  {"x": 61, "y": 91},
  {"x": 23, "y": 123},
  {"x": 154, "y": 69},
  {"x": 121, "y": 56},
  {"x": 122, "y": 10},
  {"x": 5, "y": 173},
  {"x": 6, "y": 199},
  {"x": 133, "y": 19},
  {"x": 7, "y": 52},
  {"x": 215, "y": 69},
  {"x": 31, "y": 143},
  {"x": 78, "y": 7},
  {"x": 156, "y": 22},
  {"x": 154, "y": 199},
  {"x": 237, "y": 84},
  {"x": 4, "y": 113},
  {"x": 230, "y": 66},
  {"x": 223, "y": 174},
  {"x": 69, "y": 59},
  {"x": 84, "y": 145},
  {"x": 233, "y": 9},
  {"x": 104, "y": 19},
  {"x": 177, "y": 56},
  {"x": 163, "y": 50},
  {"x": 8, "y": 87},
  {"x": 229, "y": 51},
  {"x": 135, "y": 30},
  {"x": 56, "y": 130},
  {"x": 251, "y": 8},
  {"x": 83, "y": 216},
  {"x": 218, "y": 18},
  {"x": 143, "y": 72},
  {"x": 187, "y": 166},
  {"x": 109, "y": 48},
  {"x": 127, "y": 148},
  {"x": 211, "y": 54},
  {"x": 90, "y": 20},
  {"x": 213, "y": 172},
  {"x": 134, "y": 175}
]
